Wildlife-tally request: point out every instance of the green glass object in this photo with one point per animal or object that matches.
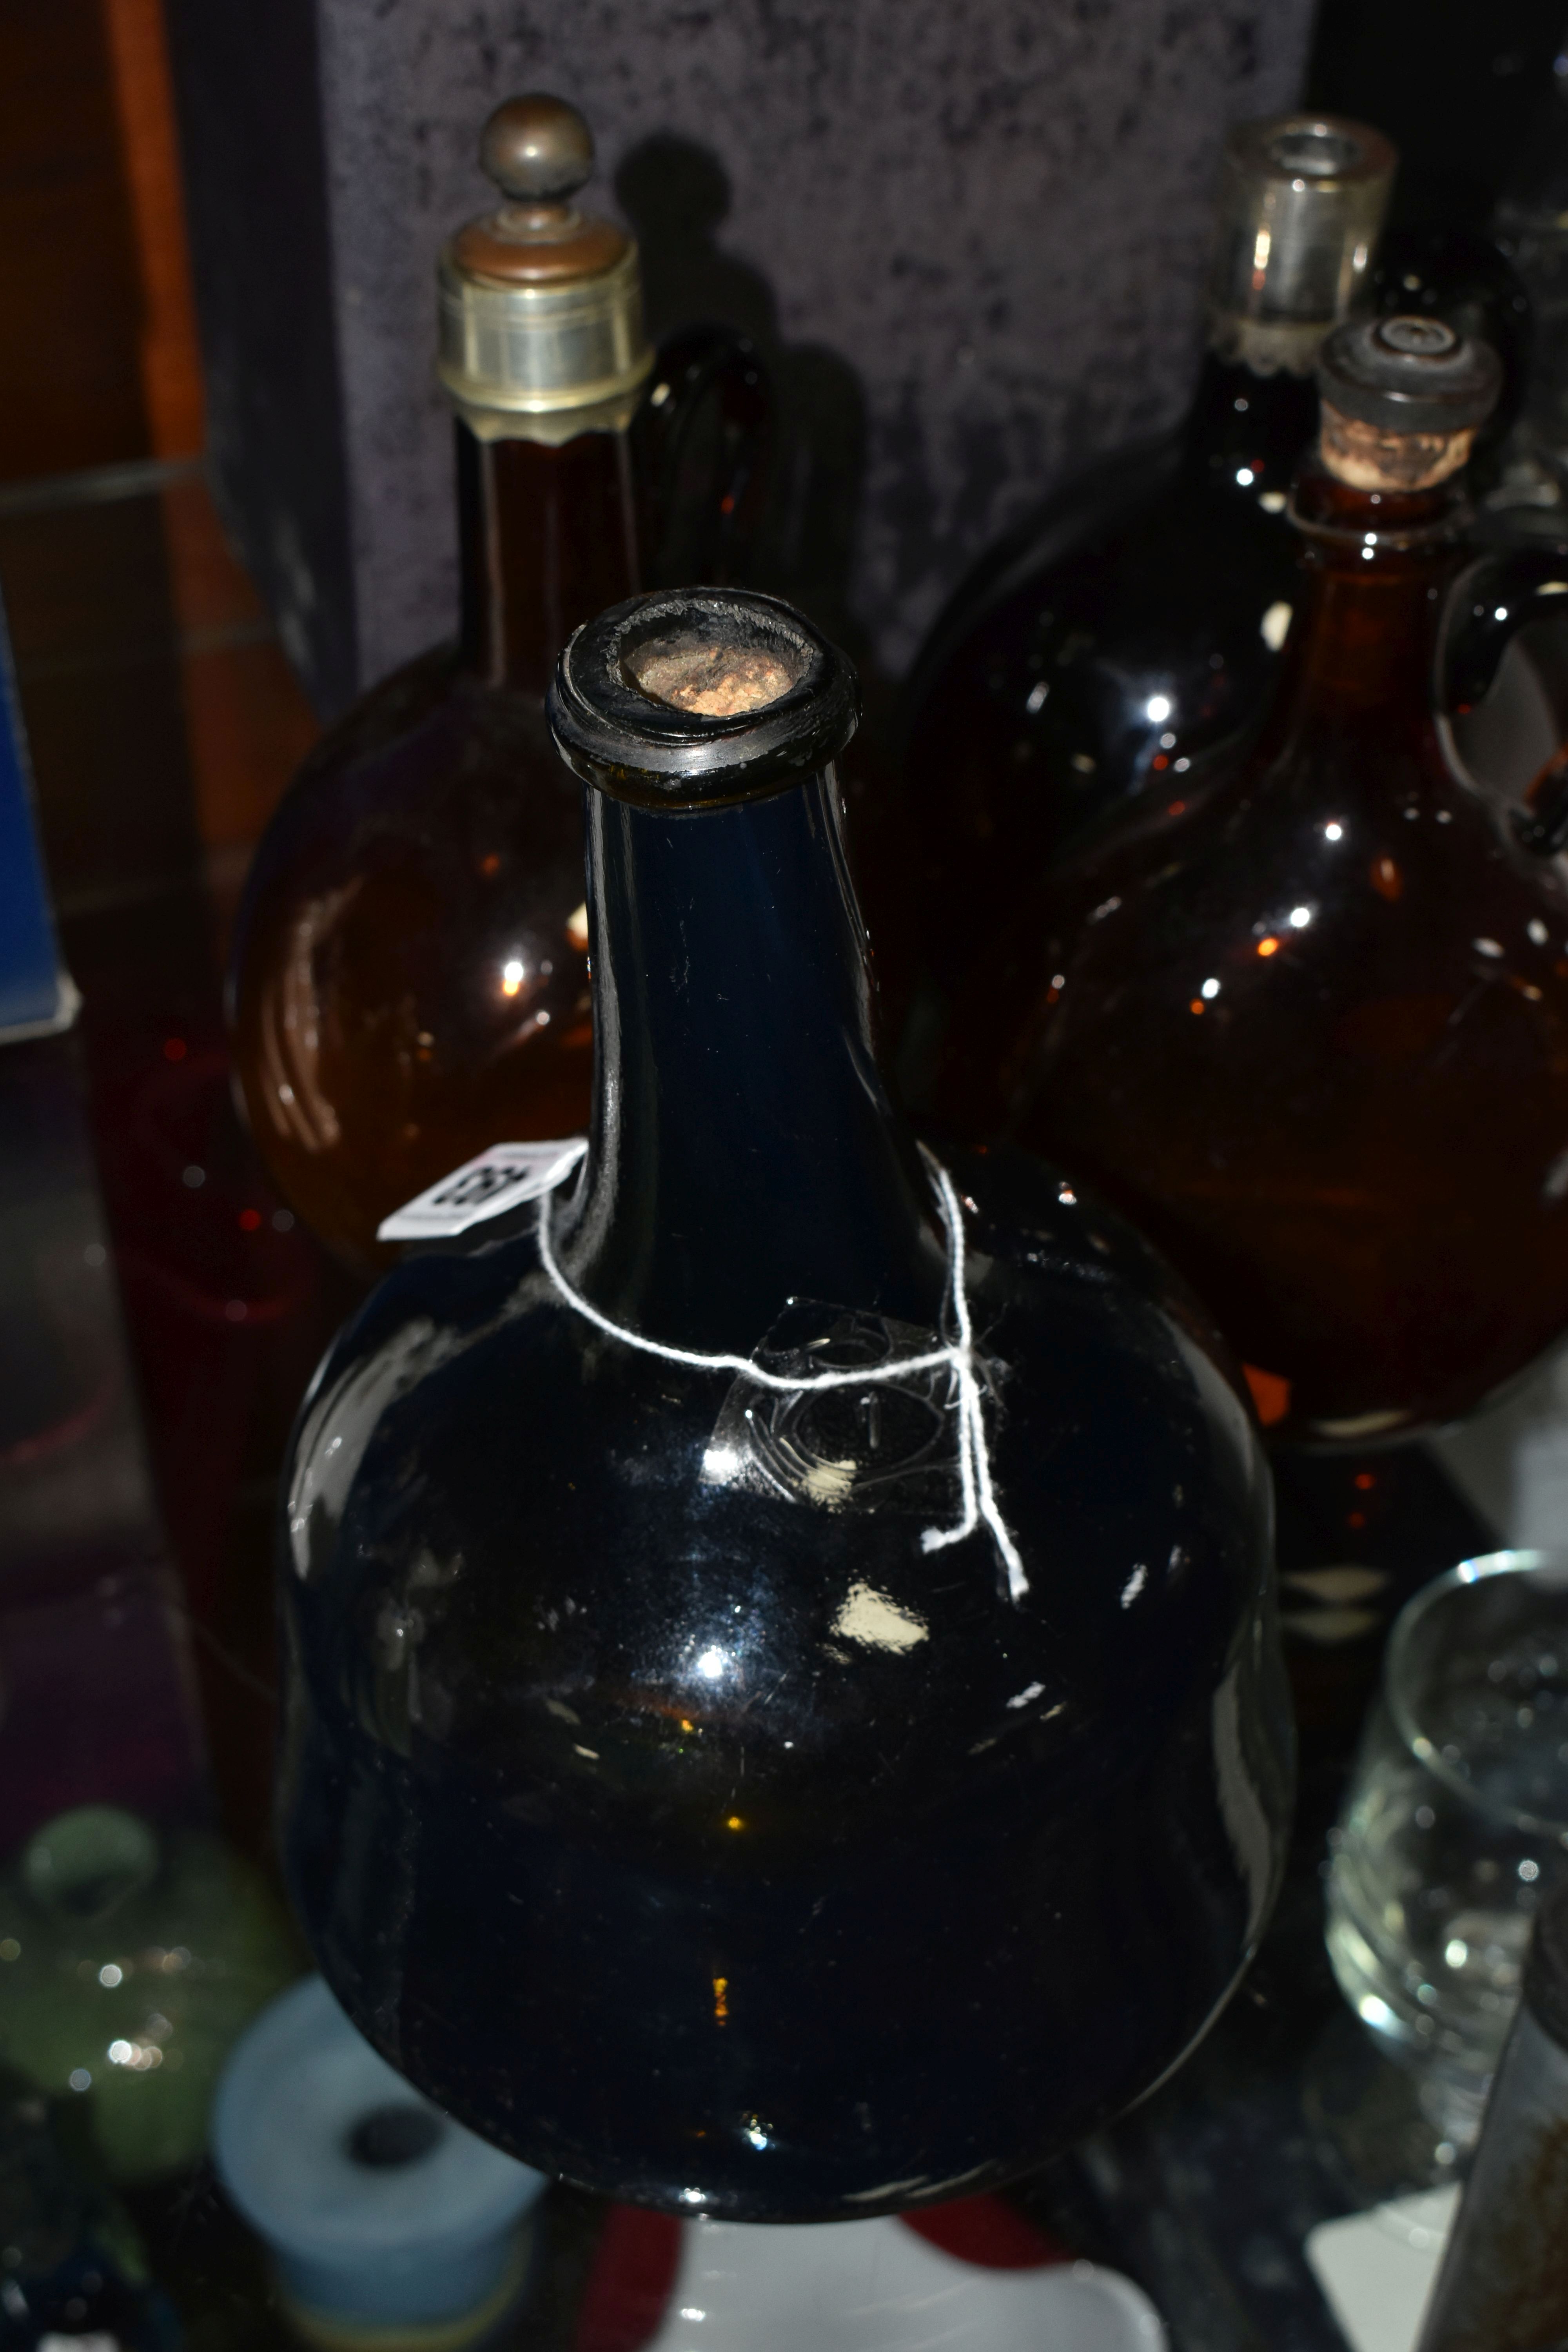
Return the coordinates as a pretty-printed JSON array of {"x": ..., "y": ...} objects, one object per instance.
[{"x": 129, "y": 1960}]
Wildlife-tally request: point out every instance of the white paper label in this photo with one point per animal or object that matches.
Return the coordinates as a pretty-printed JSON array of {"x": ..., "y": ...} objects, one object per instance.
[
  {"x": 502, "y": 1177},
  {"x": 1377, "y": 2269}
]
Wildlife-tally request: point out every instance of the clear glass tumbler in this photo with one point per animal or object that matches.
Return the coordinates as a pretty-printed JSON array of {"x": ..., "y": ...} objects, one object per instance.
[{"x": 1455, "y": 1823}]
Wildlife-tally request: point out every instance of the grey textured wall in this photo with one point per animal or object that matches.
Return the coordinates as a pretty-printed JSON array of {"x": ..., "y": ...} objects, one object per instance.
[{"x": 980, "y": 227}]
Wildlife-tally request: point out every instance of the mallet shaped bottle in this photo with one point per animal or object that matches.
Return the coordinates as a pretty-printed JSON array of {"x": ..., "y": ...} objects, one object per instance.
[{"x": 782, "y": 1710}]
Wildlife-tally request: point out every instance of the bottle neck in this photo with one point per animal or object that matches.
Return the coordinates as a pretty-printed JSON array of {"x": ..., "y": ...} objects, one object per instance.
[
  {"x": 743, "y": 1148},
  {"x": 1375, "y": 565},
  {"x": 549, "y": 537},
  {"x": 1245, "y": 431}
]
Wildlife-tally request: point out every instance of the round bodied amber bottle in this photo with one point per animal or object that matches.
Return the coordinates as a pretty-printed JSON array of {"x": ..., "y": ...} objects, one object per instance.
[
  {"x": 410, "y": 976},
  {"x": 1311, "y": 1028}
]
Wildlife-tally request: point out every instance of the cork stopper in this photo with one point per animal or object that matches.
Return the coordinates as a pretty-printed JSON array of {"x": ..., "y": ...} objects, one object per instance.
[
  {"x": 698, "y": 698},
  {"x": 719, "y": 681},
  {"x": 1402, "y": 400},
  {"x": 540, "y": 324}
]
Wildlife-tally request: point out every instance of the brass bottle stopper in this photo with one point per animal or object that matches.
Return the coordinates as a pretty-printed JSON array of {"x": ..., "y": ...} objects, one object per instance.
[{"x": 540, "y": 326}]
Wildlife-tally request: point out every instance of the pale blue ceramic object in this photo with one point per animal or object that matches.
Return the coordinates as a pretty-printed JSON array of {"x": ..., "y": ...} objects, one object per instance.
[{"x": 381, "y": 2212}]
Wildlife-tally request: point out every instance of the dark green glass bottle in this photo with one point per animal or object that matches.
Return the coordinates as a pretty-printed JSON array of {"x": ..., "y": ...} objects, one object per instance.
[{"x": 780, "y": 1785}]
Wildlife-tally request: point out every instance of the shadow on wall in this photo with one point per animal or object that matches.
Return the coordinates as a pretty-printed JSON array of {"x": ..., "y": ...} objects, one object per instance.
[{"x": 676, "y": 195}]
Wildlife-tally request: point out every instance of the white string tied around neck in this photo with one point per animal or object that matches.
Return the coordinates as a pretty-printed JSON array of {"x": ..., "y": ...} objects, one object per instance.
[{"x": 958, "y": 1357}]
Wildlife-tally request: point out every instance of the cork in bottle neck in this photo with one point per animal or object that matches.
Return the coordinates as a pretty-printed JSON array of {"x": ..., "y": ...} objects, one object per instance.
[
  {"x": 1402, "y": 400},
  {"x": 1368, "y": 457}
]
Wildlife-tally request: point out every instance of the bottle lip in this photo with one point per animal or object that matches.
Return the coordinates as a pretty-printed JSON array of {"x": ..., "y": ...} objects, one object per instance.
[
  {"x": 1392, "y": 521},
  {"x": 1302, "y": 198},
  {"x": 1328, "y": 152},
  {"x": 623, "y": 739}
]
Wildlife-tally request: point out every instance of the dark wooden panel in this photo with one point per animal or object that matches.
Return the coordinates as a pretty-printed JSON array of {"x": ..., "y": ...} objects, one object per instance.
[
  {"x": 94, "y": 635},
  {"x": 70, "y": 381},
  {"x": 248, "y": 92}
]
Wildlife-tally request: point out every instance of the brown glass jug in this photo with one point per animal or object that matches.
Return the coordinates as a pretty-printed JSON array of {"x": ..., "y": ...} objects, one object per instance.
[
  {"x": 409, "y": 980},
  {"x": 1129, "y": 632},
  {"x": 1310, "y": 1028}
]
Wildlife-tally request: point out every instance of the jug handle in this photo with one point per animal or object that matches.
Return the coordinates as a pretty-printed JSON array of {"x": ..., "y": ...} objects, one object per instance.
[
  {"x": 1492, "y": 600},
  {"x": 1540, "y": 822},
  {"x": 715, "y": 370}
]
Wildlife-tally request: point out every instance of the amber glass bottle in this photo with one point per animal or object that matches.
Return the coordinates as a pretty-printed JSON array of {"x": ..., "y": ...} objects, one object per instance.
[
  {"x": 1131, "y": 628},
  {"x": 1312, "y": 1028},
  {"x": 410, "y": 976}
]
